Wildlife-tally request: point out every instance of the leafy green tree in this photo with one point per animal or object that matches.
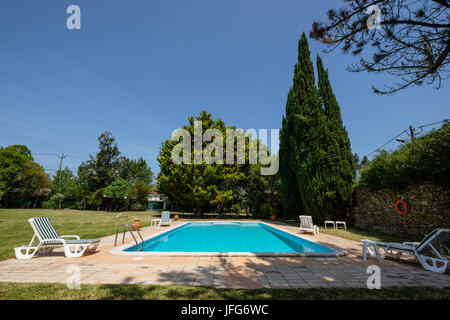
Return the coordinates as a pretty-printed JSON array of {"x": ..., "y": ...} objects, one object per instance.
[
  {"x": 94, "y": 199},
  {"x": 106, "y": 166},
  {"x": 259, "y": 190},
  {"x": 340, "y": 169},
  {"x": 139, "y": 171},
  {"x": 359, "y": 164},
  {"x": 12, "y": 160},
  {"x": 23, "y": 179},
  {"x": 117, "y": 192},
  {"x": 33, "y": 183},
  {"x": 100, "y": 171},
  {"x": 199, "y": 186},
  {"x": 2, "y": 189},
  {"x": 138, "y": 195},
  {"x": 55, "y": 201},
  {"x": 66, "y": 183}
]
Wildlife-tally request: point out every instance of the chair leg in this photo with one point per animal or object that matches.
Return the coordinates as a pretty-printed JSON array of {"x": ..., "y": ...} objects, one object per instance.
[
  {"x": 29, "y": 252},
  {"x": 94, "y": 247},
  {"x": 364, "y": 252},
  {"x": 433, "y": 267},
  {"x": 75, "y": 250}
]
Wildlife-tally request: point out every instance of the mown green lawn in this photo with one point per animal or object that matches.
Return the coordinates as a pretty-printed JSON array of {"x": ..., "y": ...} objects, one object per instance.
[
  {"x": 16, "y": 231},
  {"x": 18, "y": 291},
  {"x": 358, "y": 235}
]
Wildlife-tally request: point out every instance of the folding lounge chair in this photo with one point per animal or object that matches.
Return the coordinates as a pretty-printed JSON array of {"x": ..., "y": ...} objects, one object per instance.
[
  {"x": 306, "y": 224},
  {"x": 432, "y": 252},
  {"x": 45, "y": 239},
  {"x": 165, "y": 218}
]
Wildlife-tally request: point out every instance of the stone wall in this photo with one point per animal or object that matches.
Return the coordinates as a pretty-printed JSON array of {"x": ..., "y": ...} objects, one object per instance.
[{"x": 430, "y": 209}]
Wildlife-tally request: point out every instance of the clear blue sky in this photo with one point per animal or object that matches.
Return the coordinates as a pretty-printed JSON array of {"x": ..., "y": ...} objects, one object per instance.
[{"x": 140, "y": 68}]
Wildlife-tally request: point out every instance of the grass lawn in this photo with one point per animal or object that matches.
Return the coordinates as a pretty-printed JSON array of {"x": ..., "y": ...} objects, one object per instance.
[
  {"x": 16, "y": 231},
  {"x": 44, "y": 291},
  {"x": 358, "y": 235}
]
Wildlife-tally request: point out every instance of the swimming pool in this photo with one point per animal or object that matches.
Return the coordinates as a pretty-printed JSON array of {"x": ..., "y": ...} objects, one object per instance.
[{"x": 227, "y": 238}]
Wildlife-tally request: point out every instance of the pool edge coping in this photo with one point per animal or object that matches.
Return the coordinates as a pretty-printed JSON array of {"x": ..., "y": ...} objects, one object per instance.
[{"x": 336, "y": 252}]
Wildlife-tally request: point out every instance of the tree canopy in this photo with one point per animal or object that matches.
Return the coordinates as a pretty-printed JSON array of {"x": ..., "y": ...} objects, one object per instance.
[
  {"x": 22, "y": 180},
  {"x": 201, "y": 185},
  {"x": 412, "y": 42}
]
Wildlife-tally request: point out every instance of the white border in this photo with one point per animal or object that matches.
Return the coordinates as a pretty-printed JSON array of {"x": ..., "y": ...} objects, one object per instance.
[{"x": 119, "y": 250}]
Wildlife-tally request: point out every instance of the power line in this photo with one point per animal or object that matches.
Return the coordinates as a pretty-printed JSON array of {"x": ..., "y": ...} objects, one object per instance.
[
  {"x": 388, "y": 142},
  {"x": 79, "y": 158},
  {"x": 60, "y": 156},
  {"x": 45, "y": 154},
  {"x": 412, "y": 133}
]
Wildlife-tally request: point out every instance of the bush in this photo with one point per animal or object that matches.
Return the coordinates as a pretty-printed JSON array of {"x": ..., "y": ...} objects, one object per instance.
[
  {"x": 55, "y": 201},
  {"x": 424, "y": 159},
  {"x": 264, "y": 212}
]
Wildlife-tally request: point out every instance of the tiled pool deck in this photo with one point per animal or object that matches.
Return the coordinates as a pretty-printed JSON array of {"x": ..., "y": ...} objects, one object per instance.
[{"x": 102, "y": 267}]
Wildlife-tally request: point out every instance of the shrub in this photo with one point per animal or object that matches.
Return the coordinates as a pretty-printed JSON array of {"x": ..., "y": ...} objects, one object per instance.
[
  {"x": 55, "y": 201},
  {"x": 424, "y": 159},
  {"x": 264, "y": 212}
]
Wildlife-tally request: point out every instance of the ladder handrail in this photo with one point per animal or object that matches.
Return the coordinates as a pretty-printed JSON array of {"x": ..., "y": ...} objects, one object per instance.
[
  {"x": 142, "y": 240},
  {"x": 125, "y": 227}
]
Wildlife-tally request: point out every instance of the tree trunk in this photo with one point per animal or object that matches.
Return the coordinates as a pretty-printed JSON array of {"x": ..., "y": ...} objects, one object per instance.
[
  {"x": 35, "y": 202},
  {"x": 198, "y": 213}
]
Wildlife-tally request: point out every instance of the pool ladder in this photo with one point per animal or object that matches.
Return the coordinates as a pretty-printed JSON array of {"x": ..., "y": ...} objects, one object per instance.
[{"x": 126, "y": 227}]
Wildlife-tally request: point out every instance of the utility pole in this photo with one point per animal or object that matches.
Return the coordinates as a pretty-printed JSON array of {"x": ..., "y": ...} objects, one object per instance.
[
  {"x": 61, "y": 161},
  {"x": 411, "y": 131}
]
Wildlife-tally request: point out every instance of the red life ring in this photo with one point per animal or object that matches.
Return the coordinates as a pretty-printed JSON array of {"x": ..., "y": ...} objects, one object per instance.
[{"x": 404, "y": 204}]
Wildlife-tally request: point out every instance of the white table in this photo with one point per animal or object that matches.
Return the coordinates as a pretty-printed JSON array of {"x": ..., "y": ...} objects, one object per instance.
[
  {"x": 341, "y": 223},
  {"x": 155, "y": 223},
  {"x": 330, "y": 222}
]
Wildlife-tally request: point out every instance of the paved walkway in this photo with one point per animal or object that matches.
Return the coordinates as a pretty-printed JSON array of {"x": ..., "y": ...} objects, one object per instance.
[{"x": 102, "y": 267}]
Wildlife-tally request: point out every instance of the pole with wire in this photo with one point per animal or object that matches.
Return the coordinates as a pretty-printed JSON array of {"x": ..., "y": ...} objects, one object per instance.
[
  {"x": 62, "y": 156},
  {"x": 411, "y": 131}
]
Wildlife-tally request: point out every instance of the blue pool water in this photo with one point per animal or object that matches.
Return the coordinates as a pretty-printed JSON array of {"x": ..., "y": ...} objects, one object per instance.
[{"x": 228, "y": 237}]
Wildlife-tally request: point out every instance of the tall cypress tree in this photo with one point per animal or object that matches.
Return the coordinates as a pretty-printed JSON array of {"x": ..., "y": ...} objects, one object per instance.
[
  {"x": 316, "y": 164},
  {"x": 301, "y": 152},
  {"x": 340, "y": 169},
  {"x": 290, "y": 195}
]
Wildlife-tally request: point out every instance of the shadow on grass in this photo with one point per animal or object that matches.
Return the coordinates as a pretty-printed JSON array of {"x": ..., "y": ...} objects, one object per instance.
[{"x": 155, "y": 292}]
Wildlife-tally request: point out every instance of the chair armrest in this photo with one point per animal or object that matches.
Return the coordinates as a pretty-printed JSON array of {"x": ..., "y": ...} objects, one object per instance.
[{"x": 76, "y": 237}]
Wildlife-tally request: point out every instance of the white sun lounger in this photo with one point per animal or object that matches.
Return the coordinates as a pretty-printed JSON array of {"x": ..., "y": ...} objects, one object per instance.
[
  {"x": 165, "y": 218},
  {"x": 306, "y": 224},
  {"x": 432, "y": 252},
  {"x": 45, "y": 239}
]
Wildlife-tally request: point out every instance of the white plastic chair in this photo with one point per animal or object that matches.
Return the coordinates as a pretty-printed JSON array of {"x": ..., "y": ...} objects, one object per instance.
[
  {"x": 45, "y": 239},
  {"x": 306, "y": 224}
]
